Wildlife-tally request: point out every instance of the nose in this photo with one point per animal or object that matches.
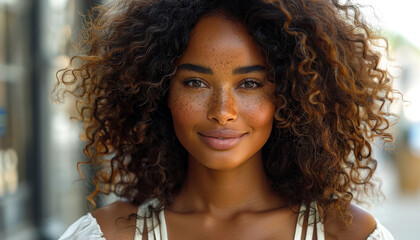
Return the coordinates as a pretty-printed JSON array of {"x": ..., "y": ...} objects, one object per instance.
[{"x": 222, "y": 106}]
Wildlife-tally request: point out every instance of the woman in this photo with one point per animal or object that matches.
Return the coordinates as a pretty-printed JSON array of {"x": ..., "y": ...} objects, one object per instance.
[{"x": 237, "y": 119}]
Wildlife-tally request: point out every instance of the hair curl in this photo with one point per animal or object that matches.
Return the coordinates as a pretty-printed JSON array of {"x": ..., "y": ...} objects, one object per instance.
[{"x": 332, "y": 96}]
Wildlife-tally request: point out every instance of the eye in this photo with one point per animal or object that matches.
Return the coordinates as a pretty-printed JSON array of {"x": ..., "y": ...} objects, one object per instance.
[
  {"x": 194, "y": 83},
  {"x": 250, "y": 84}
]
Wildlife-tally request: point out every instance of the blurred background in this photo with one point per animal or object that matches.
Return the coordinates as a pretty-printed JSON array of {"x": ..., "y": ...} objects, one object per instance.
[{"x": 39, "y": 144}]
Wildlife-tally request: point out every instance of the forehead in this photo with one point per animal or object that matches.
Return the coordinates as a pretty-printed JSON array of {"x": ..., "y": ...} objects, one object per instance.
[{"x": 220, "y": 41}]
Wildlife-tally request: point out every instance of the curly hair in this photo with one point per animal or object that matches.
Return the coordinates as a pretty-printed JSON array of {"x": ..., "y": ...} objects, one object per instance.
[{"x": 332, "y": 97}]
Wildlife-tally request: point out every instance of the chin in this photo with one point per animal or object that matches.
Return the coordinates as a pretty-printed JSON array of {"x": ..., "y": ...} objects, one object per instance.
[{"x": 224, "y": 161}]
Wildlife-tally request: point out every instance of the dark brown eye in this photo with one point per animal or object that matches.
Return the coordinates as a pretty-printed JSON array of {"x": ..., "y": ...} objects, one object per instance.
[
  {"x": 250, "y": 84},
  {"x": 194, "y": 83}
]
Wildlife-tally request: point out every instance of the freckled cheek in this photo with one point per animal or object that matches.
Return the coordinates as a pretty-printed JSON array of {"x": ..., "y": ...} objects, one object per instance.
[
  {"x": 259, "y": 113},
  {"x": 186, "y": 110}
]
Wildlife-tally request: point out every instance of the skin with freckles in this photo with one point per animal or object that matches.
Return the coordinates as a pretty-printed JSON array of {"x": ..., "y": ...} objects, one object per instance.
[
  {"x": 223, "y": 96},
  {"x": 222, "y": 109}
]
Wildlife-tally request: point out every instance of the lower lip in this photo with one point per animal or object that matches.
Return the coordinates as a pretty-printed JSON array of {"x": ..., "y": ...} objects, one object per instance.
[{"x": 221, "y": 144}]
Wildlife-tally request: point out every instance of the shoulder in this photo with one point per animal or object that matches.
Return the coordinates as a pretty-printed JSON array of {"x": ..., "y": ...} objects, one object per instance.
[
  {"x": 116, "y": 208},
  {"x": 85, "y": 227},
  {"x": 115, "y": 221},
  {"x": 363, "y": 225}
]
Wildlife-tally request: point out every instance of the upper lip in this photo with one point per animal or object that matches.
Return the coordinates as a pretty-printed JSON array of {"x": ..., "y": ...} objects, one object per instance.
[{"x": 222, "y": 133}]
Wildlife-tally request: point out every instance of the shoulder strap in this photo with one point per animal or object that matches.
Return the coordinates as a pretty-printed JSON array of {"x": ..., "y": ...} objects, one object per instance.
[
  {"x": 163, "y": 230},
  {"x": 319, "y": 225},
  {"x": 299, "y": 224},
  {"x": 155, "y": 231},
  {"x": 312, "y": 220}
]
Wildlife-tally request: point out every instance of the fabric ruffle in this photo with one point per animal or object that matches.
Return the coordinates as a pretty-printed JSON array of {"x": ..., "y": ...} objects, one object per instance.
[
  {"x": 85, "y": 228},
  {"x": 380, "y": 233}
]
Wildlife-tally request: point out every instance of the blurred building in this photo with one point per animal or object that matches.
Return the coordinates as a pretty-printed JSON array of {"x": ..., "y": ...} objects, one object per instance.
[
  {"x": 401, "y": 213},
  {"x": 39, "y": 145},
  {"x": 407, "y": 57}
]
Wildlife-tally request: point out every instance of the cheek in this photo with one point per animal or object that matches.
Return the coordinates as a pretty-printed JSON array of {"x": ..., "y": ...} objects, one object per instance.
[
  {"x": 260, "y": 113},
  {"x": 185, "y": 109}
]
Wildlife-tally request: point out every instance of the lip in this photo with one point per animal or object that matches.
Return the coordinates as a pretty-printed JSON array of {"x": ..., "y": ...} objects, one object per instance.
[{"x": 221, "y": 139}]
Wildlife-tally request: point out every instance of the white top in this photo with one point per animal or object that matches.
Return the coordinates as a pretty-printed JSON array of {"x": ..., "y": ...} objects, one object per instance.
[{"x": 87, "y": 228}]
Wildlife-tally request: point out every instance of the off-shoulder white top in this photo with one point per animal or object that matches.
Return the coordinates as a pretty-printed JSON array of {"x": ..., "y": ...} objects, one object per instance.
[{"x": 87, "y": 228}]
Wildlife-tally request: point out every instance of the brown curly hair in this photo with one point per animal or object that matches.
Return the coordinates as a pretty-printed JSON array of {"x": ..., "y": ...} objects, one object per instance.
[{"x": 332, "y": 96}]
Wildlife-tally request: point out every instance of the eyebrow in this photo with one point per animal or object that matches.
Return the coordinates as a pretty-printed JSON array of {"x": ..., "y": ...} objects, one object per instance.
[
  {"x": 249, "y": 69},
  {"x": 195, "y": 68},
  {"x": 206, "y": 70}
]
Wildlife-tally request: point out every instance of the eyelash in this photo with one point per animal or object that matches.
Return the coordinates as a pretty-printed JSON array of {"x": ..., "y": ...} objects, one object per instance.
[
  {"x": 257, "y": 84},
  {"x": 189, "y": 83}
]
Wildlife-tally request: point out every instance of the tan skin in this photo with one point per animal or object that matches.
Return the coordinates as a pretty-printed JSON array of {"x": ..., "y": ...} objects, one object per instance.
[{"x": 226, "y": 194}]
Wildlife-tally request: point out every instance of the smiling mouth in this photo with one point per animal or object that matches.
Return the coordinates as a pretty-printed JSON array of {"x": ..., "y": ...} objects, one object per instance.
[{"x": 221, "y": 140}]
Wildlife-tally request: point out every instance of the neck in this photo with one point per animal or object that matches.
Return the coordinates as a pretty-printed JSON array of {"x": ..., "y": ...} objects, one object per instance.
[{"x": 244, "y": 188}]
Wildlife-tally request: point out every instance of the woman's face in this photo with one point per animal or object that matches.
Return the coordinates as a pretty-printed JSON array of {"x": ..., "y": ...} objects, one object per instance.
[{"x": 221, "y": 102}]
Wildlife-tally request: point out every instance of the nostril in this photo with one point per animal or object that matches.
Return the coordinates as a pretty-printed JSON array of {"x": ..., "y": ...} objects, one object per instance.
[
  {"x": 222, "y": 114},
  {"x": 222, "y": 107}
]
